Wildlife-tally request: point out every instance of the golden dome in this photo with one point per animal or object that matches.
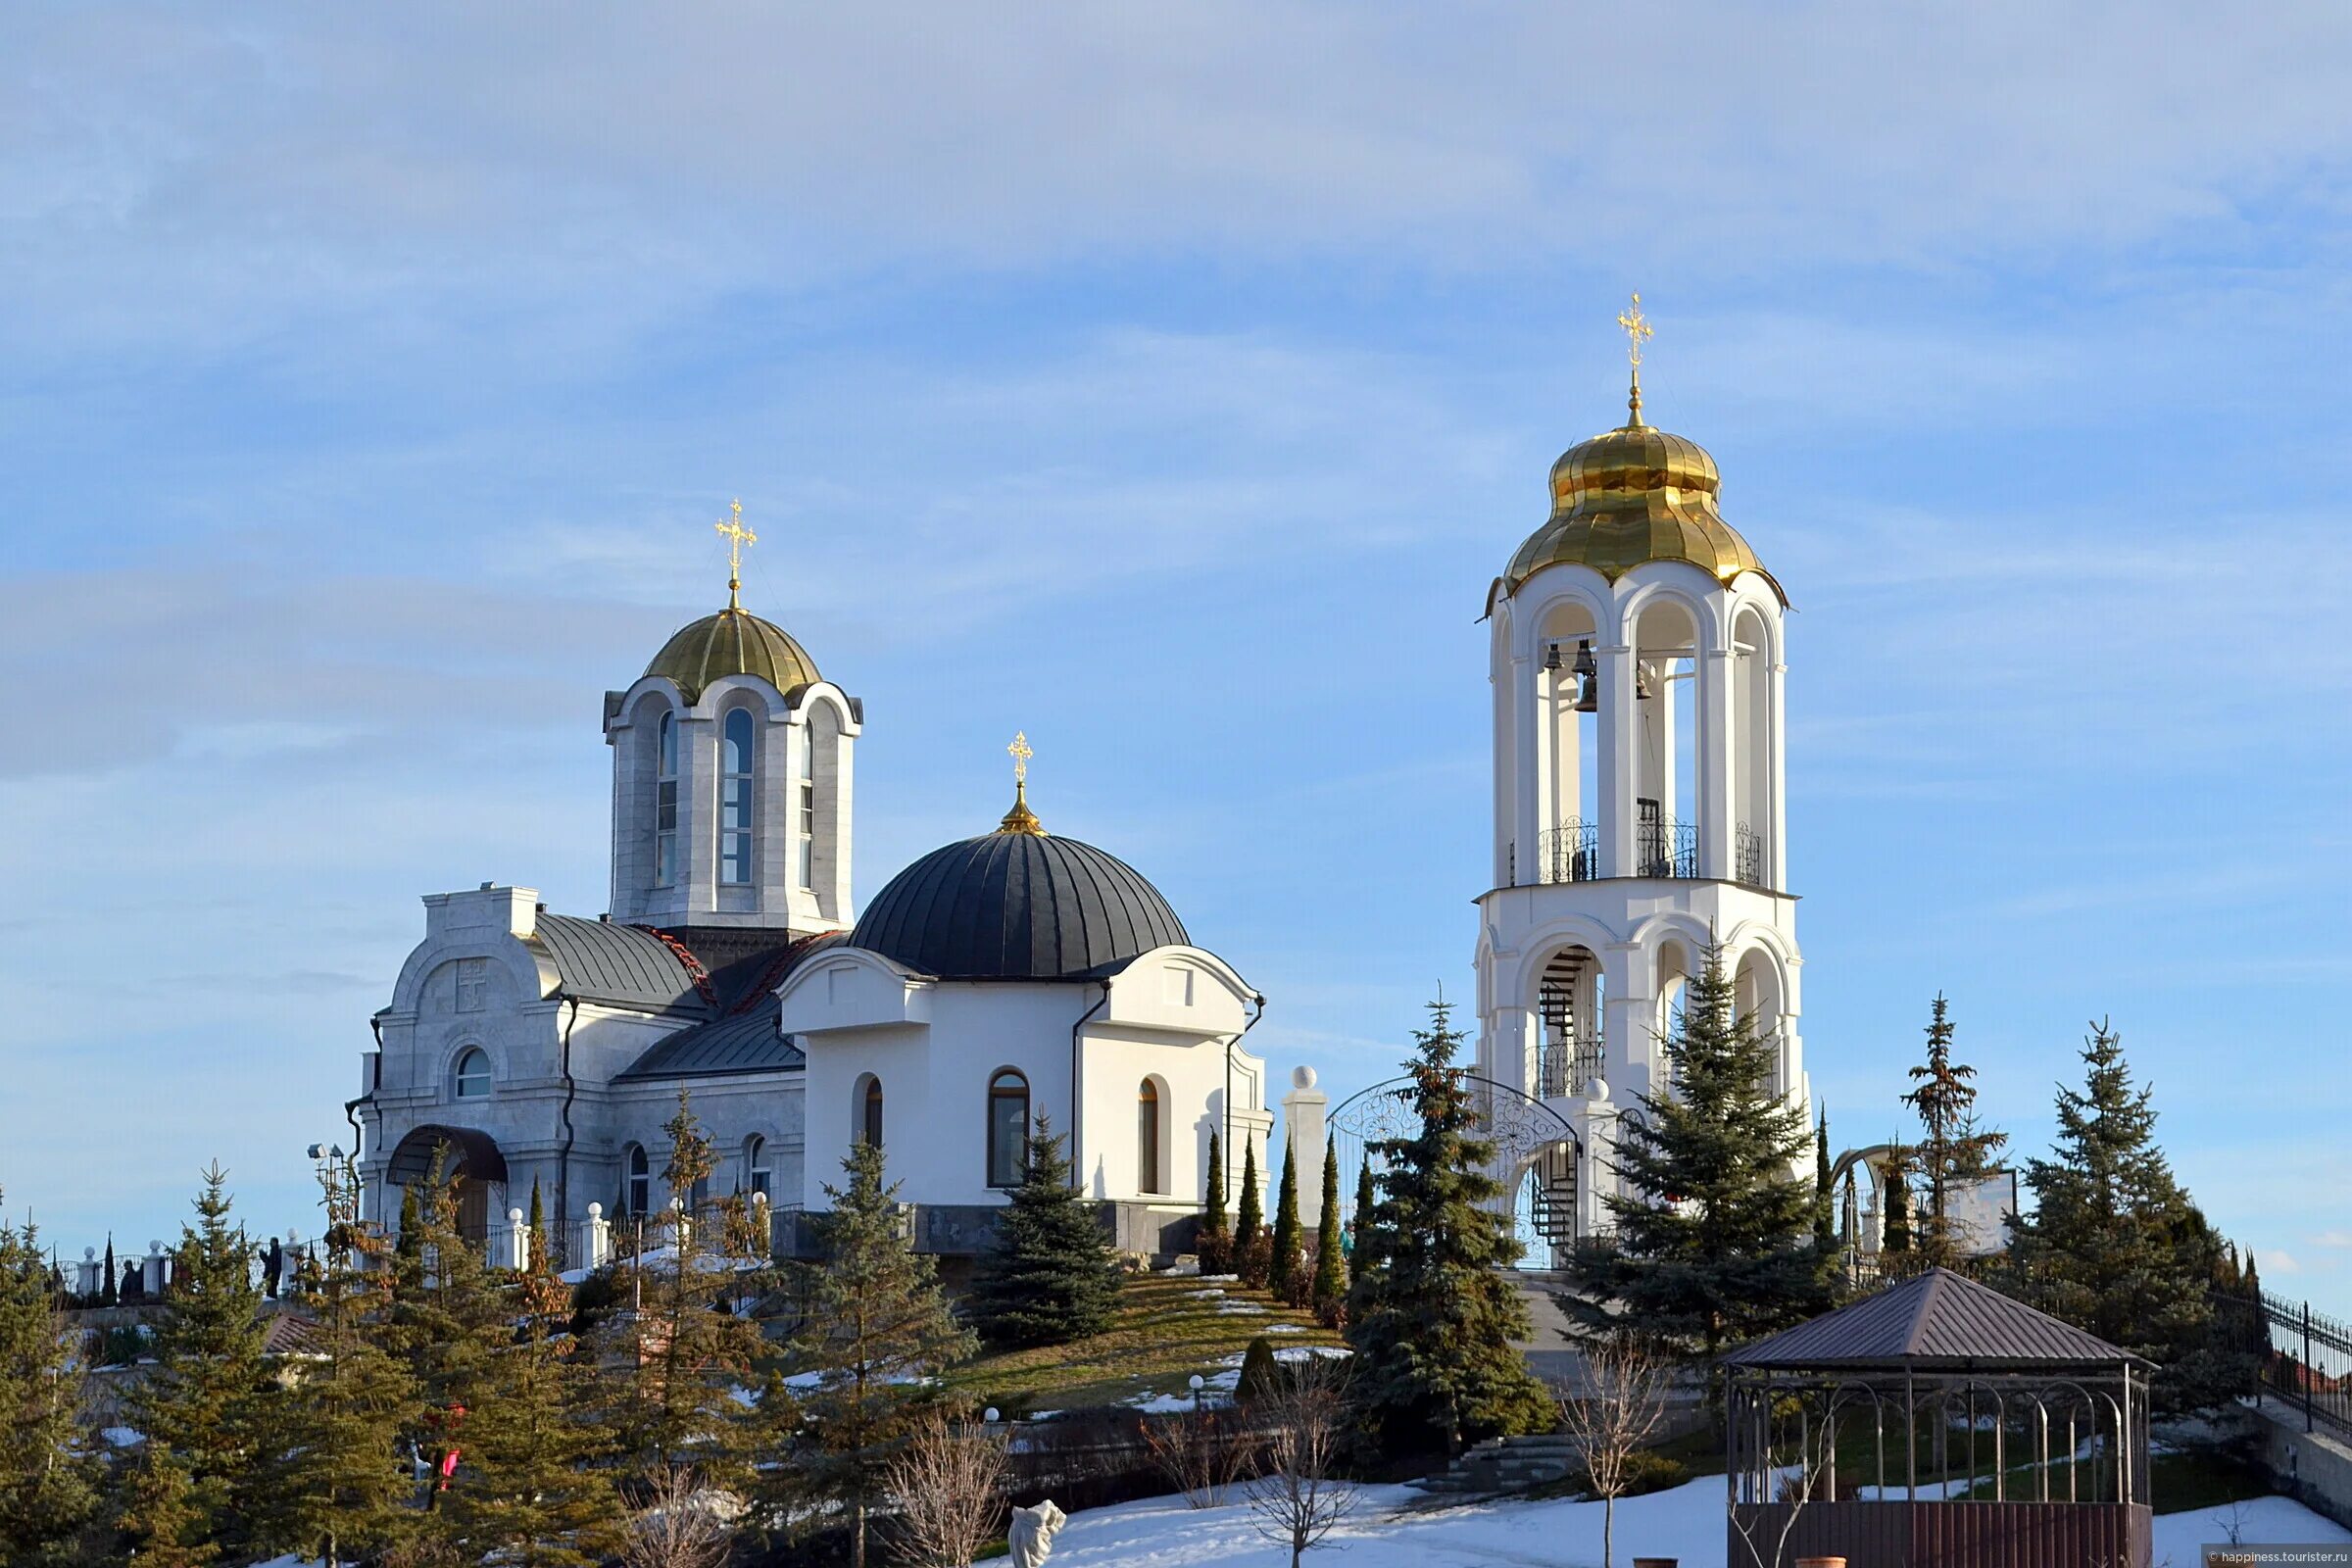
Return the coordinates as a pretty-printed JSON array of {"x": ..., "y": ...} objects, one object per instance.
[
  {"x": 1631, "y": 495},
  {"x": 733, "y": 642}
]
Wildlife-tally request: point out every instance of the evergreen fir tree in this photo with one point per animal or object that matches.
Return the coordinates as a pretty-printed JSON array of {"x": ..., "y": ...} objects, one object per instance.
[
  {"x": 1331, "y": 1273},
  {"x": 536, "y": 1490},
  {"x": 339, "y": 1484},
  {"x": 1287, "y": 1263},
  {"x": 1048, "y": 1278},
  {"x": 2116, "y": 1247},
  {"x": 1953, "y": 1149},
  {"x": 1895, "y": 1239},
  {"x": 538, "y": 1223},
  {"x": 690, "y": 1349},
  {"x": 107, "y": 1295},
  {"x": 449, "y": 1321},
  {"x": 1214, "y": 1244},
  {"x": 1714, "y": 1221},
  {"x": 1250, "y": 1254},
  {"x": 875, "y": 1331},
  {"x": 207, "y": 1401},
  {"x": 47, "y": 1482},
  {"x": 158, "y": 1516},
  {"x": 1360, "y": 1253},
  {"x": 1433, "y": 1319},
  {"x": 1824, "y": 1218}
]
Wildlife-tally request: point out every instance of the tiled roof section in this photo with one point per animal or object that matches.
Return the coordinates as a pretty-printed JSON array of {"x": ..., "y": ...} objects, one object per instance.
[
  {"x": 600, "y": 962},
  {"x": 1938, "y": 1320},
  {"x": 1018, "y": 906},
  {"x": 743, "y": 1042}
]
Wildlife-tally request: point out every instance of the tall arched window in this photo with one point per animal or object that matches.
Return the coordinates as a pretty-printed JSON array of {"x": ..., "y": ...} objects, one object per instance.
[
  {"x": 808, "y": 806},
  {"x": 735, "y": 799},
  {"x": 473, "y": 1076},
  {"x": 869, "y": 1111},
  {"x": 1008, "y": 1127},
  {"x": 638, "y": 1194},
  {"x": 666, "y": 801},
  {"x": 757, "y": 1175},
  {"x": 1147, "y": 1139}
]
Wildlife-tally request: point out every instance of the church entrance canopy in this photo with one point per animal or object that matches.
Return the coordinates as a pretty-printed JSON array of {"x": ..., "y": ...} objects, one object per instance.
[{"x": 472, "y": 1162}]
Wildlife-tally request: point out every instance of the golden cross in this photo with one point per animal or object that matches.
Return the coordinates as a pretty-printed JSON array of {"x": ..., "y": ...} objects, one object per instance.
[
  {"x": 1020, "y": 754},
  {"x": 737, "y": 537},
  {"x": 1637, "y": 328}
]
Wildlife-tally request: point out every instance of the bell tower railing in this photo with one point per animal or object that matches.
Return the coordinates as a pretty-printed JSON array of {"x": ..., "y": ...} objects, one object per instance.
[{"x": 1571, "y": 851}]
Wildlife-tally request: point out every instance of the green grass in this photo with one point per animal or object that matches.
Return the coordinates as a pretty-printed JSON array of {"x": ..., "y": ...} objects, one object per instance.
[{"x": 1162, "y": 1334}]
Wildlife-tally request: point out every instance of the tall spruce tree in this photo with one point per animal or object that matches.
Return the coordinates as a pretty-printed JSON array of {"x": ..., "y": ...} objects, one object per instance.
[
  {"x": 1250, "y": 1254},
  {"x": 1048, "y": 1277},
  {"x": 1895, "y": 1238},
  {"x": 1953, "y": 1150},
  {"x": 200, "y": 1490},
  {"x": 1432, "y": 1320},
  {"x": 875, "y": 1331},
  {"x": 1825, "y": 1198},
  {"x": 339, "y": 1484},
  {"x": 1361, "y": 1254},
  {"x": 537, "y": 1489},
  {"x": 1714, "y": 1220},
  {"x": 2114, "y": 1243},
  {"x": 108, "y": 1291},
  {"x": 1330, "y": 1291},
  {"x": 1287, "y": 1260},
  {"x": 692, "y": 1351},
  {"x": 450, "y": 1321},
  {"x": 47, "y": 1482}
]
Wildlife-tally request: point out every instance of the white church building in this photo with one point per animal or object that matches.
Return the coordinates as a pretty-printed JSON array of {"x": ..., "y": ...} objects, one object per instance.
[{"x": 1012, "y": 974}]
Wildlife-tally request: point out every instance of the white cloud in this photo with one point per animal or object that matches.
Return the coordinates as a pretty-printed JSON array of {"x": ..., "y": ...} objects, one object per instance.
[
  {"x": 2274, "y": 1263},
  {"x": 2333, "y": 1239}
]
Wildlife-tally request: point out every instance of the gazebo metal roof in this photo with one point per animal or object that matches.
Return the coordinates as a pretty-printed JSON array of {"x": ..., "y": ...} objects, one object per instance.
[{"x": 1937, "y": 1321}]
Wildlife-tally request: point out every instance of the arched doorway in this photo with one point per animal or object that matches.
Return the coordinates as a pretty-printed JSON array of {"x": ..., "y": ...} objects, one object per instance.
[
  {"x": 1536, "y": 1156},
  {"x": 471, "y": 1163}
]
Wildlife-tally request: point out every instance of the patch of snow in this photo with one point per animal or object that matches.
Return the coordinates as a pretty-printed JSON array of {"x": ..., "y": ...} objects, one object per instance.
[
  {"x": 1241, "y": 1308},
  {"x": 1284, "y": 1328},
  {"x": 121, "y": 1437}
]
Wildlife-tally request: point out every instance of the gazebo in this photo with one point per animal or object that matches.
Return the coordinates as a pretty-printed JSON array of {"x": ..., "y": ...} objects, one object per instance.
[{"x": 1937, "y": 1422}]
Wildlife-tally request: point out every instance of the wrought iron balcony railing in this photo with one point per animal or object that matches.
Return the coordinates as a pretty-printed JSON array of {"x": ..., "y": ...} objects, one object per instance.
[
  {"x": 1749, "y": 865},
  {"x": 1566, "y": 1062},
  {"x": 1666, "y": 849},
  {"x": 1572, "y": 852}
]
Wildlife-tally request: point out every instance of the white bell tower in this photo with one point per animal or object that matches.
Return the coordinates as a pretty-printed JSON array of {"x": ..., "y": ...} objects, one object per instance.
[{"x": 1639, "y": 812}]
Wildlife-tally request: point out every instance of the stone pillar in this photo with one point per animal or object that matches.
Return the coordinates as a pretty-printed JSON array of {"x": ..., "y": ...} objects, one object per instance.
[
  {"x": 596, "y": 1238},
  {"x": 1304, "y": 1110},
  {"x": 512, "y": 1244},
  {"x": 1619, "y": 763},
  {"x": 151, "y": 1272},
  {"x": 85, "y": 1273},
  {"x": 1598, "y": 1180},
  {"x": 289, "y": 1263}
]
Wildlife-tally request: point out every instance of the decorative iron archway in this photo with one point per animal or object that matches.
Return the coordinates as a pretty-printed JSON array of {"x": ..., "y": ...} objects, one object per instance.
[{"x": 1537, "y": 1159}]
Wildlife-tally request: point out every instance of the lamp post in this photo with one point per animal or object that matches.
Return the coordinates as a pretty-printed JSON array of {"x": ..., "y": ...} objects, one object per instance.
[{"x": 1197, "y": 1384}]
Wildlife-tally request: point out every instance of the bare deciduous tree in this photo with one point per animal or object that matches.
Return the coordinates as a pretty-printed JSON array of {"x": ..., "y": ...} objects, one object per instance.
[
  {"x": 1295, "y": 1495},
  {"x": 680, "y": 1525},
  {"x": 1202, "y": 1453},
  {"x": 948, "y": 1484},
  {"x": 1799, "y": 1484},
  {"x": 1609, "y": 1416}
]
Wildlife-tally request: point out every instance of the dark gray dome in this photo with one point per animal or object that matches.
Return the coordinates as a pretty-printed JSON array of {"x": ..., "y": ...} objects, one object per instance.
[{"x": 1017, "y": 906}]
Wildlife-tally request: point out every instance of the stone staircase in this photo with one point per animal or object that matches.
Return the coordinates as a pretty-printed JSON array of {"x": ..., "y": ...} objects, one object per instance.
[{"x": 1506, "y": 1464}]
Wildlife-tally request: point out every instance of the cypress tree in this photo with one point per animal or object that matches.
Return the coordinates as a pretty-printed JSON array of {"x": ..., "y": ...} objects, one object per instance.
[
  {"x": 1048, "y": 1278},
  {"x": 2116, "y": 1247},
  {"x": 1896, "y": 1237},
  {"x": 1331, "y": 1274},
  {"x": 1360, "y": 1252},
  {"x": 874, "y": 1333},
  {"x": 207, "y": 1402},
  {"x": 1286, "y": 1265},
  {"x": 1824, "y": 1218},
  {"x": 1250, "y": 1257},
  {"x": 1714, "y": 1221},
  {"x": 1953, "y": 1150},
  {"x": 1215, "y": 1244},
  {"x": 338, "y": 1481},
  {"x": 107, "y": 1295},
  {"x": 47, "y": 1481},
  {"x": 1432, "y": 1320}
]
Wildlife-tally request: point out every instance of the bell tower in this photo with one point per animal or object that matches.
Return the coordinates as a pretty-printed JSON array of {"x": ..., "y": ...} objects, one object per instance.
[{"x": 1638, "y": 804}]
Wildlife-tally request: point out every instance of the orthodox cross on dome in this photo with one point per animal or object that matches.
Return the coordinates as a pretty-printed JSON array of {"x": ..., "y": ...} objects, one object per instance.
[
  {"x": 1637, "y": 328},
  {"x": 1020, "y": 819},
  {"x": 737, "y": 537}
]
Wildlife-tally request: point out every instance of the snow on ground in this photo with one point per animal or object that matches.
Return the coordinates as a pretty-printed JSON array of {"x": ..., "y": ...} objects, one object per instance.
[{"x": 1686, "y": 1523}]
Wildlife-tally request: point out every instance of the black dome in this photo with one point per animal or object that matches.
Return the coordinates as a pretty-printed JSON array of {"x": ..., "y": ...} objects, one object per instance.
[{"x": 1018, "y": 906}]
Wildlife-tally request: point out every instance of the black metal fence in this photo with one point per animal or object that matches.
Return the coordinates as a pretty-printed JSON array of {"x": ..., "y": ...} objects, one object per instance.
[
  {"x": 1572, "y": 852},
  {"x": 1567, "y": 1061},
  {"x": 1666, "y": 849},
  {"x": 2305, "y": 1357}
]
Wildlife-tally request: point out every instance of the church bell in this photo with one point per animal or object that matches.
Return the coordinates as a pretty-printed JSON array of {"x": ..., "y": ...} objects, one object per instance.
[{"x": 1588, "y": 675}]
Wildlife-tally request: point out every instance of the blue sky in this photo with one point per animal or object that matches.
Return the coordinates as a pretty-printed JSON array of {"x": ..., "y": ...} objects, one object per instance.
[{"x": 1170, "y": 383}]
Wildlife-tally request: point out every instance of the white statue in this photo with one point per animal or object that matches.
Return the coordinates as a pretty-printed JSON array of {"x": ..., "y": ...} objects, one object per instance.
[{"x": 1032, "y": 1535}]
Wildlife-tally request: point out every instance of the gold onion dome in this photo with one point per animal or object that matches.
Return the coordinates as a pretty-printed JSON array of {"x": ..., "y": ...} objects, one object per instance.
[{"x": 733, "y": 642}]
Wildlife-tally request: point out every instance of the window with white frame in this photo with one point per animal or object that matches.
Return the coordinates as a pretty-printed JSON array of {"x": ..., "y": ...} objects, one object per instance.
[
  {"x": 735, "y": 799},
  {"x": 637, "y": 1192},
  {"x": 472, "y": 1075},
  {"x": 666, "y": 801},
  {"x": 759, "y": 1176},
  {"x": 808, "y": 851}
]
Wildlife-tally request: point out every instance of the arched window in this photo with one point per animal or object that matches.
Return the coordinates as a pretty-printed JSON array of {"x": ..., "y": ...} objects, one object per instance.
[
  {"x": 1008, "y": 1127},
  {"x": 757, "y": 1175},
  {"x": 638, "y": 1196},
  {"x": 869, "y": 1111},
  {"x": 473, "y": 1076},
  {"x": 808, "y": 802},
  {"x": 1147, "y": 1139},
  {"x": 666, "y": 801},
  {"x": 735, "y": 799}
]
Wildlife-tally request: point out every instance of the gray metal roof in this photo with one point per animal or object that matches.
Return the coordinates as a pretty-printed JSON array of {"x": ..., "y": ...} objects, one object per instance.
[
  {"x": 744, "y": 1042},
  {"x": 600, "y": 962},
  {"x": 1018, "y": 906},
  {"x": 1936, "y": 1321}
]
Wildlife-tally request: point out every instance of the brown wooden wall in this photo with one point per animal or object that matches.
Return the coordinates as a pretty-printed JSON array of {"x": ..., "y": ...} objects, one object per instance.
[{"x": 1949, "y": 1534}]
